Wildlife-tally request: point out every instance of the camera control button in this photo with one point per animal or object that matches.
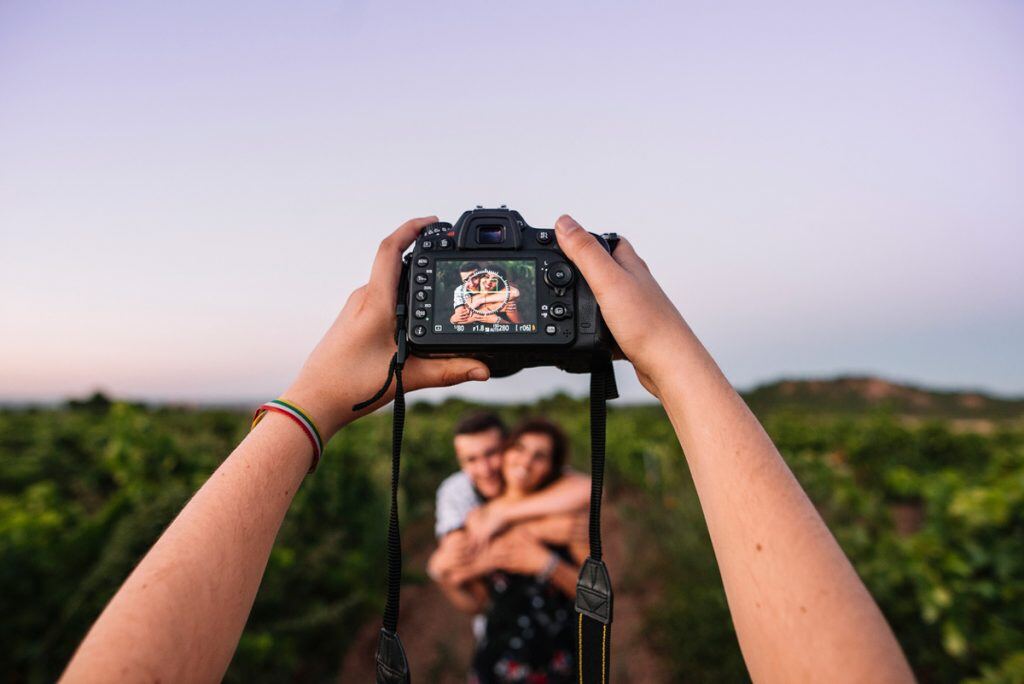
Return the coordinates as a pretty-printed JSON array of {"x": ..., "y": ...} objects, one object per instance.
[
  {"x": 559, "y": 274},
  {"x": 444, "y": 243},
  {"x": 422, "y": 278},
  {"x": 421, "y": 296},
  {"x": 420, "y": 313},
  {"x": 422, "y": 261},
  {"x": 419, "y": 331},
  {"x": 559, "y": 311},
  {"x": 427, "y": 244},
  {"x": 551, "y": 329},
  {"x": 544, "y": 237}
]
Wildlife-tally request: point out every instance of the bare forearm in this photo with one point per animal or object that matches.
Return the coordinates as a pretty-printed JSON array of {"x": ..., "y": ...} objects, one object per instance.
[
  {"x": 569, "y": 494},
  {"x": 800, "y": 610},
  {"x": 179, "y": 616}
]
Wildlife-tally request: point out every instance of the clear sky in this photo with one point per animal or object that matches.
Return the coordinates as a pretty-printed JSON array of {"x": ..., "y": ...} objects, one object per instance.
[{"x": 188, "y": 190}]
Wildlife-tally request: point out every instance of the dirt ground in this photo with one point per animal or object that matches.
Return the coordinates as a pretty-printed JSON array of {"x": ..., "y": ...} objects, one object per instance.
[{"x": 439, "y": 643}]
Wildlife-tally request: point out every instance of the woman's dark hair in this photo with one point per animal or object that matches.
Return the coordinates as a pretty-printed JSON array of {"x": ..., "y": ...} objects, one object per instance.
[
  {"x": 559, "y": 443},
  {"x": 481, "y": 421}
]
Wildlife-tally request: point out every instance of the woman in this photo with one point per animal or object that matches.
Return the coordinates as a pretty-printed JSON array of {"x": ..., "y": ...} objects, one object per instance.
[{"x": 525, "y": 579}]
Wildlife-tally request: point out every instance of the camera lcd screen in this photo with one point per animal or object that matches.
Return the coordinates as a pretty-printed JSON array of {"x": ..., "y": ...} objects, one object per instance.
[{"x": 487, "y": 296}]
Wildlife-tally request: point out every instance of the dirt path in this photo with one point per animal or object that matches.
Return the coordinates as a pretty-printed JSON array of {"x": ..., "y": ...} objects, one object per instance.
[{"x": 438, "y": 640}]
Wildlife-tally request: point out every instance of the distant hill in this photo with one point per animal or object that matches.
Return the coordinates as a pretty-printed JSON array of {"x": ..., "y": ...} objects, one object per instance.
[{"x": 854, "y": 394}]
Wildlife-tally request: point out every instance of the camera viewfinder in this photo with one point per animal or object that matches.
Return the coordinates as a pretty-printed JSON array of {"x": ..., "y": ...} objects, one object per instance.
[{"x": 490, "y": 234}]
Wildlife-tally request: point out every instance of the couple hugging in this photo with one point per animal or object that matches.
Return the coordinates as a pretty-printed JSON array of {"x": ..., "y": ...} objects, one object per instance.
[{"x": 512, "y": 534}]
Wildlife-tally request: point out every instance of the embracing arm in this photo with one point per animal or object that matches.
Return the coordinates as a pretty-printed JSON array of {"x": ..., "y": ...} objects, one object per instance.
[
  {"x": 498, "y": 297},
  {"x": 518, "y": 551},
  {"x": 569, "y": 494},
  {"x": 462, "y": 314},
  {"x": 180, "y": 613},
  {"x": 800, "y": 610}
]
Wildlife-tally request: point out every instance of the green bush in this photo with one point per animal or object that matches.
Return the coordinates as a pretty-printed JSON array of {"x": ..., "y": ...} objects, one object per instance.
[{"x": 932, "y": 518}]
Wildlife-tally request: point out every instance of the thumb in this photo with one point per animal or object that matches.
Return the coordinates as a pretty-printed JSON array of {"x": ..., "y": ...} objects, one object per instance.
[
  {"x": 598, "y": 267},
  {"x": 421, "y": 373}
]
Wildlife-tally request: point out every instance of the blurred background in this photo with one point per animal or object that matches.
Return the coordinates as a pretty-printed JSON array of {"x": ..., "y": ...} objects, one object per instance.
[{"x": 831, "y": 193}]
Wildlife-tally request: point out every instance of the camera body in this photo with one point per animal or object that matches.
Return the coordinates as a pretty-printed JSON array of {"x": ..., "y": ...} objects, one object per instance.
[{"x": 493, "y": 288}]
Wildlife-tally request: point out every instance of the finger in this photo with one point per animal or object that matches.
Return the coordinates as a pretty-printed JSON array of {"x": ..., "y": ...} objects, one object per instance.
[
  {"x": 420, "y": 373},
  {"x": 598, "y": 267},
  {"x": 387, "y": 265},
  {"x": 627, "y": 257}
]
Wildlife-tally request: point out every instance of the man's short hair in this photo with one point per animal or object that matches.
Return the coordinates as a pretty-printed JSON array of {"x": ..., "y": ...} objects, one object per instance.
[
  {"x": 559, "y": 443},
  {"x": 469, "y": 266},
  {"x": 478, "y": 422}
]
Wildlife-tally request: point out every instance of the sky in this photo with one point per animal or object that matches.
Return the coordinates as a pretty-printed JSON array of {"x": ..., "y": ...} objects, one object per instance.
[{"x": 189, "y": 190}]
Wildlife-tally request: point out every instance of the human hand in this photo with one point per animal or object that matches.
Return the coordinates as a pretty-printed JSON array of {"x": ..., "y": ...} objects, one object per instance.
[
  {"x": 567, "y": 529},
  {"x": 351, "y": 362},
  {"x": 638, "y": 313},
  {"x": 516, "y": 551},
  {"x": 484, "y": 522},
  {"x": 455, "y": 551}
]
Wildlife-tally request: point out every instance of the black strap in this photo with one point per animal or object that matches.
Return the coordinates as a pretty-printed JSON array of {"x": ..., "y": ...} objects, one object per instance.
[
  {"x": 392, "y": 664},
  {"x": 594, "y": 588}
]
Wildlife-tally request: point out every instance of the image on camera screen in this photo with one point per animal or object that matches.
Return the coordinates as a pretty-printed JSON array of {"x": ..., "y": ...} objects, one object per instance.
[{"x": 486, "y": 296}]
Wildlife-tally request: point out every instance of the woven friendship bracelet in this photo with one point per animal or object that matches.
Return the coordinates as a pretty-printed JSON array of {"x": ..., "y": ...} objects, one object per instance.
[{"x": 300, "y": 417}]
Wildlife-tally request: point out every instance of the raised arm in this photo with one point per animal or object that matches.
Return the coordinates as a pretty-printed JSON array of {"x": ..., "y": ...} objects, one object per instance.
[
  {"x": 570, "y": 493},
  {"x": 179, "y": 615},
  {"x": 800, "y": 610}
]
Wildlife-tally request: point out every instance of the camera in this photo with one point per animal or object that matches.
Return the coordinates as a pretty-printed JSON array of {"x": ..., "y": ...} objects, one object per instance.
[{"x": 493, "y": 288}]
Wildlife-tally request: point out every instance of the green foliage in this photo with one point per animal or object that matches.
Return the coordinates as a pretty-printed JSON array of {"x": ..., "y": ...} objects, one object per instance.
[{"x": 933, "y": 519}]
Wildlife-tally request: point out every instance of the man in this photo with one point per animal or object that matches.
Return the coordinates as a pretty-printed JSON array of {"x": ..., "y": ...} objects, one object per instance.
[
  {"x": 461, "y": 525},
  {"x": 461, "y": 312}
]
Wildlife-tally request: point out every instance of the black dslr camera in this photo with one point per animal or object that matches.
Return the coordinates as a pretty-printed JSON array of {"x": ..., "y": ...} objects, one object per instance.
[{"x": 493, "y": 288}]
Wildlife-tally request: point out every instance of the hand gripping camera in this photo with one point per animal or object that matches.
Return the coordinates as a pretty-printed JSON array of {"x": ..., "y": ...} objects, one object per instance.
[{"x": 493, "y": 288}]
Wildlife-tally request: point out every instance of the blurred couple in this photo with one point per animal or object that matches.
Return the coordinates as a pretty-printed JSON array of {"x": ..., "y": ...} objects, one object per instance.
[{"x": 512, "y": 534}]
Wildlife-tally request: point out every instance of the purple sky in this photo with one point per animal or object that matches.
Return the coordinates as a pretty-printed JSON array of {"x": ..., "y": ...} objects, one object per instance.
[{"x": 189, "y": 190}]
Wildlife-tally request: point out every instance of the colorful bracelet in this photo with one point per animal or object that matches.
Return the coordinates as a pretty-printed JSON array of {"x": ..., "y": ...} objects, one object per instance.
[{"x": 299, "y": 416}]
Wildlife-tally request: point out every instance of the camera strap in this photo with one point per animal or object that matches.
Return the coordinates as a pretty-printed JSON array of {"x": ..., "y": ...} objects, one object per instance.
[
  {"x": 593, "y": 590},
  {"x": 594, "y": 587},
  {"x": 392, "y": 664}
]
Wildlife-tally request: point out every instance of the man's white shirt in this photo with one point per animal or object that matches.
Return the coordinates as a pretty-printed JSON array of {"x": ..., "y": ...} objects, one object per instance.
[{"x": 456, "y": 497}]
